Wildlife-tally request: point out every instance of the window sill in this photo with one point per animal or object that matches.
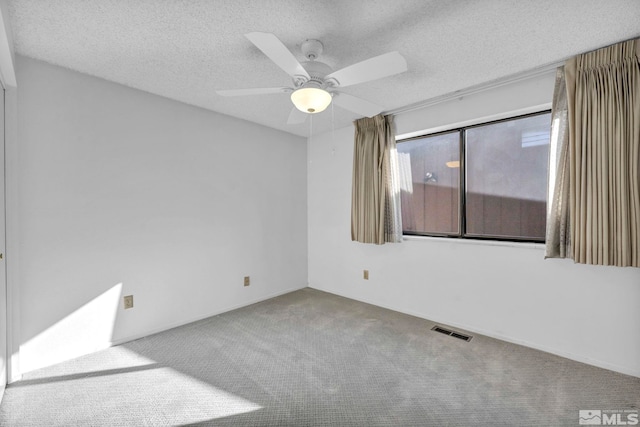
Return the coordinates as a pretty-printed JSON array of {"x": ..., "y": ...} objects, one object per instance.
[{"x": 523, "y": 245}]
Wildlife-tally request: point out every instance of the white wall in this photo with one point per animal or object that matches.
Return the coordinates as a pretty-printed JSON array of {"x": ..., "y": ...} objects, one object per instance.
[
  {"x": 507, "y": 291},
  {"x": 121, "y": 192}
]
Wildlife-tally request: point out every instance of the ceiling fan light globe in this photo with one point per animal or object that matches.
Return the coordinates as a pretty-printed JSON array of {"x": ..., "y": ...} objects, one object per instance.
[{"x": 311, "y": 100}]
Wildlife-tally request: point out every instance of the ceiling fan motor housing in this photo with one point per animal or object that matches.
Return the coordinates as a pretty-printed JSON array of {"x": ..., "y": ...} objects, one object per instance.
[{"x": 317, "y": 71}]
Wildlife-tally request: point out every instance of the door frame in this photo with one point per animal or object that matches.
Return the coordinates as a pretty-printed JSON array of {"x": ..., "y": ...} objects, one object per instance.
[{"x": 9, "y": 83}]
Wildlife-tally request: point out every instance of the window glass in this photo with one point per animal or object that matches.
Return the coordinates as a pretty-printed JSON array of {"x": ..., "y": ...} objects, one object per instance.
[
  {"x": 430, "y": 183},
  {"x": 505, "y": 180},
  {"x": 506, "y": 177}
]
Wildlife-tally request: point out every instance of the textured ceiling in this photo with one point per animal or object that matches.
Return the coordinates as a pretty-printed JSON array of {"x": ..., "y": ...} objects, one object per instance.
[{"x": 186, "y": 49}]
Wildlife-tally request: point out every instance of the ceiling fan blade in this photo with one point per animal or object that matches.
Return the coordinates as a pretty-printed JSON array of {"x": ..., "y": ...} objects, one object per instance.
[
  {"x": 357, "y": 105},
  {"x": 271, "y": 46},
  {"x": 374, "y": 68},
  {"x": 253, "y": 91},
  {"x": 296, "y": 117}
]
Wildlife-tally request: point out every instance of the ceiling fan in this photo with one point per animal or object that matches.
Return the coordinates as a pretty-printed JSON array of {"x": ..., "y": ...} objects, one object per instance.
[{"x": 315, "y": 84}]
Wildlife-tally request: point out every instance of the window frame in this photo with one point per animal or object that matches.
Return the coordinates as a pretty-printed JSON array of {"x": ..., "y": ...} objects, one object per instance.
[{"x": 462, "y": 187}]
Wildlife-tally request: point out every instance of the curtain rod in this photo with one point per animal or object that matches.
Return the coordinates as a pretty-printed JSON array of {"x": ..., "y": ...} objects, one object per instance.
[
  {"x": 513, "y": 78},
  {"x": 492, "y": 84}
]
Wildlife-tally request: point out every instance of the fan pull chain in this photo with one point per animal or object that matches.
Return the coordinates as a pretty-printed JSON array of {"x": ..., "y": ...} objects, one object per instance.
[
  {"x": 333, "y": 131},
  {"x": 309, "y": 139}
]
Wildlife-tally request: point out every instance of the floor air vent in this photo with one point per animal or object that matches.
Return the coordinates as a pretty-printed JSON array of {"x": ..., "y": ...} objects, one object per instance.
[{"x": 458, "y": 335}]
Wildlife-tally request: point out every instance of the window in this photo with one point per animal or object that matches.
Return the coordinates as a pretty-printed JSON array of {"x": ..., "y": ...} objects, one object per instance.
[{"x": 483, "y": 181}]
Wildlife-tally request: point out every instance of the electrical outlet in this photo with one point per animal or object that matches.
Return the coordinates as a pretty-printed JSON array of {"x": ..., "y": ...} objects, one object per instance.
[
  {"x": 365, "y": 274},
  {"x": 247, "y": 281},
  {"x": 128, "y": 302}
]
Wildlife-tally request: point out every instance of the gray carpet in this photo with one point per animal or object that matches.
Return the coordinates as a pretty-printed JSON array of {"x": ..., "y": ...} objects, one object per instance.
[{"x": 310, "y": 358}]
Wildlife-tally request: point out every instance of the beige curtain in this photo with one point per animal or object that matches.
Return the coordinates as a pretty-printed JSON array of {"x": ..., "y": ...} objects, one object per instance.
[
  {"x": 375, "y": 198},
  {"x": 603, "y": 111},
  {"x": 558, "y": 238}
]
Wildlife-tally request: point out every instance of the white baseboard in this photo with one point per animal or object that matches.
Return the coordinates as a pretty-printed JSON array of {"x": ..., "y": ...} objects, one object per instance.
[
  {"x": 491, "y": 334},
  {"x": 197, "y": 318}
]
